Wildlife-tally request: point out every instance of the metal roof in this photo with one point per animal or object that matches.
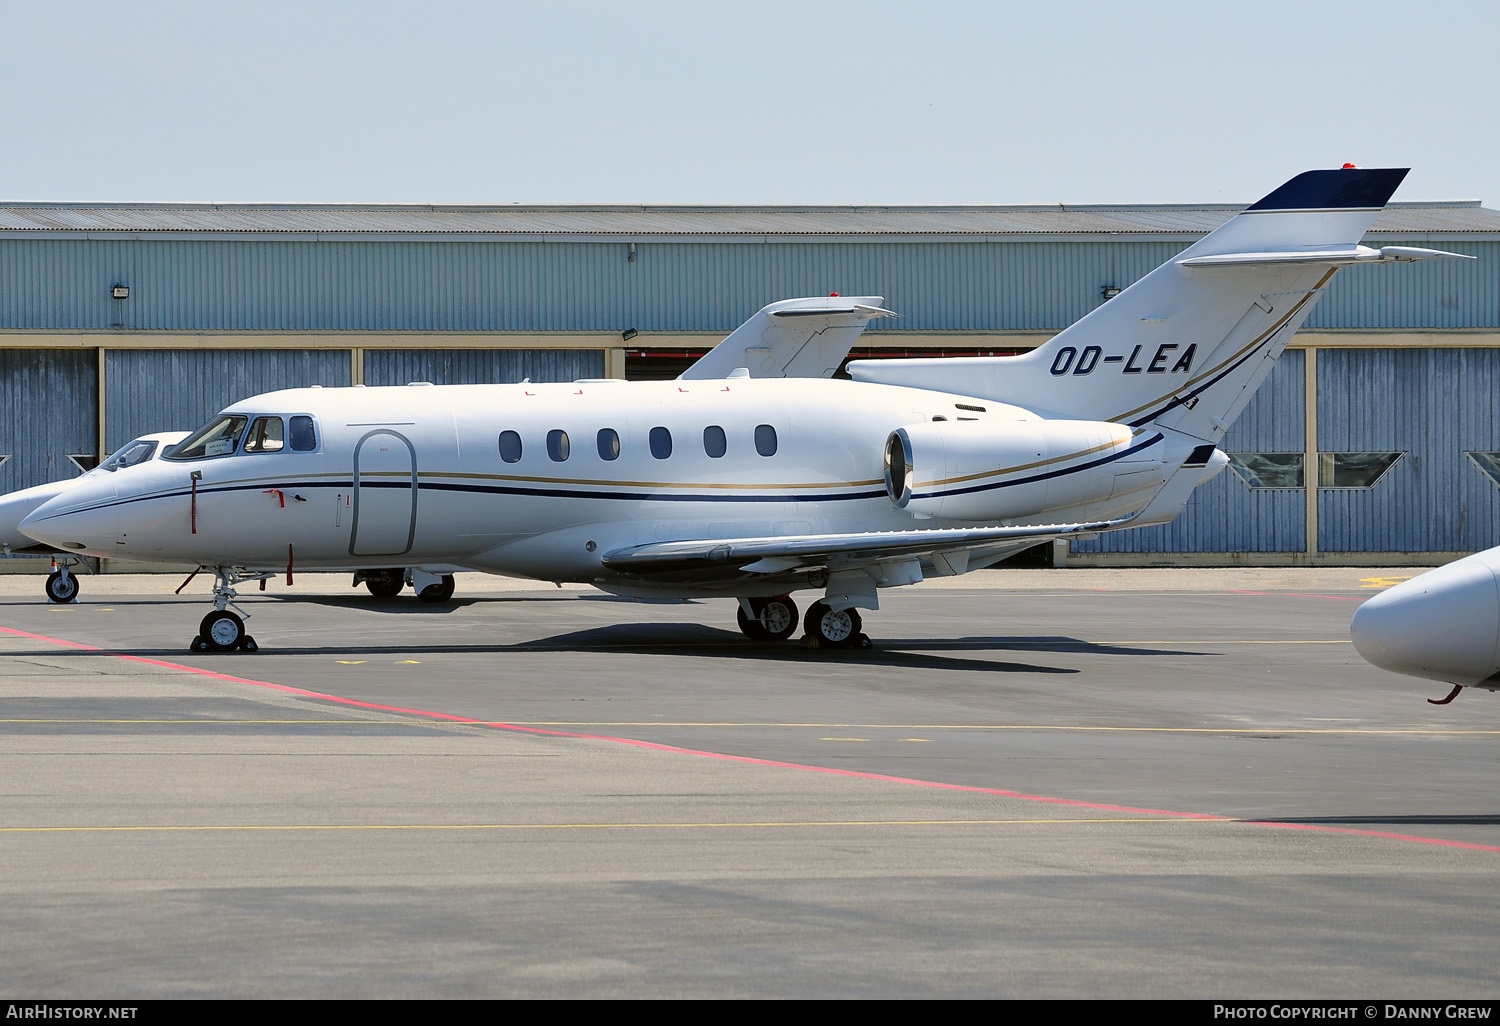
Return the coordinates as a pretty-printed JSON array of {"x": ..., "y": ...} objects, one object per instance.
[{"x": 1460, "y": 218}]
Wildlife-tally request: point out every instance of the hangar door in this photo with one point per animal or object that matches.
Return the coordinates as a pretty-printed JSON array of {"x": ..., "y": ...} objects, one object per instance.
[
  {"x": 480, "y": 366},
  {"x": 50, "y": 413},
  {"x": 149, "y": 390}
]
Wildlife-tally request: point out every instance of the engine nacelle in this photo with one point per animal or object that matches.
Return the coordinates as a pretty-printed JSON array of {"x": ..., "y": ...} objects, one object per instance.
[{"x": 987, "y": 470}]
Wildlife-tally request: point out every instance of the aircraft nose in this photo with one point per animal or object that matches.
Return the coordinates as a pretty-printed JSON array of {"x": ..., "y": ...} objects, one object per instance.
[
  {"x": 83, "y": 520},
  {"x": 1443, "y": 625}
]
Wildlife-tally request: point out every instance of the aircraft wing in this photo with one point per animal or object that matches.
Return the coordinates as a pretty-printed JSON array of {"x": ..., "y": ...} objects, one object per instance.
[
  {"x": 795, "y": 338},
  {"x": 800, "y": 552}
]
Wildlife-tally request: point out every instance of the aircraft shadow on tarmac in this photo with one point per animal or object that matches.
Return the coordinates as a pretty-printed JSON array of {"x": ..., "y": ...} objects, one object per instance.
[{"x": 702, "y": 641}]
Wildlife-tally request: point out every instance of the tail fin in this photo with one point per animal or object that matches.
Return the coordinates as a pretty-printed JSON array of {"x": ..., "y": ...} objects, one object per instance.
[
  {"x": 795, "y": 338},
  {"x": 1185, "y": 347}
]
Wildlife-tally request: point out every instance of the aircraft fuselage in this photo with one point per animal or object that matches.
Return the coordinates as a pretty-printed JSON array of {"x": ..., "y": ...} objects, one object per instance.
[{"x": 542, "y": 480}]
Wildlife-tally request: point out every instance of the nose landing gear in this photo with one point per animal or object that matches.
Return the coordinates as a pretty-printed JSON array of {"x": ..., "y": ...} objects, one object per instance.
[{"x": 223, "y": 630}]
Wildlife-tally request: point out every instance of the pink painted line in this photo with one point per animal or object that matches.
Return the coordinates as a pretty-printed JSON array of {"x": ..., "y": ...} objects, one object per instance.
[{"x": 746, "y": 759}]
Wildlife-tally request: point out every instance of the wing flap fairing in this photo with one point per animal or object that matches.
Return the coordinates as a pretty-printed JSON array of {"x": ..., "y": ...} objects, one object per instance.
[{"x": 783, "y": 554}]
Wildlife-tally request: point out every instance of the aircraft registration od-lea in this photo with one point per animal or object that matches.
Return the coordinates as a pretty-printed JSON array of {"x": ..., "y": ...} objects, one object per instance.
[
  {"x": 726, "y": 483},
  {"x": 1443, "y": 625}
]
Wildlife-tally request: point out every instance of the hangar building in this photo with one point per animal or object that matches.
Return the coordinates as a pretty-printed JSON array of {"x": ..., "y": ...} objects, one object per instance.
[{"x": 1376, "y": 440}]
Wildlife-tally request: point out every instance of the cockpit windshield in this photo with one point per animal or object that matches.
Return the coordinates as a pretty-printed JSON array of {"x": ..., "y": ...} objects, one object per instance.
[
  {"x": 219, "y": 437},
  {"x": 138, "y": 450}
]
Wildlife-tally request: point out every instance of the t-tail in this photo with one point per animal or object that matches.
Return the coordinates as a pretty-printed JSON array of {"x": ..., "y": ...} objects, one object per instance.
[{"x": 1183, "y": 349}]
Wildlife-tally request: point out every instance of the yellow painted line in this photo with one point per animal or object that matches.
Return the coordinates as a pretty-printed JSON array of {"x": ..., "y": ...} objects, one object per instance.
[
  {"x": 203, "y": 722},
  {"x": 1054, "y": 727},
  {"x": 408, "y": 662},
  {"x": 765, "y": 824},
  {"x": 576, "y": 724},
  {"x": 1384, "y": 582},
  {"x": 349, "y": 662}
]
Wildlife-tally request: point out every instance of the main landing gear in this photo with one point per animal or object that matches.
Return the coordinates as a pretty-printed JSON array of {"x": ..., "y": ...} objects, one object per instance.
[
  {"x": 223, "y": 630},
  {"x": 387, "y": 584},
  {"x": 775, "y": 619},
  {"x": 827, "y": 627}
]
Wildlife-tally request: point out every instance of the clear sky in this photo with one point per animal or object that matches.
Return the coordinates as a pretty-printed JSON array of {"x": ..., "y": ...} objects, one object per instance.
[{"x": 661, "y": 101}]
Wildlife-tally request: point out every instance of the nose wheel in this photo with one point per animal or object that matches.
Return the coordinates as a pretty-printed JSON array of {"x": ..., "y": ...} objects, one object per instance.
[
  {"x": 61, "y": 586},
  {"x": 223, "y": 631}
]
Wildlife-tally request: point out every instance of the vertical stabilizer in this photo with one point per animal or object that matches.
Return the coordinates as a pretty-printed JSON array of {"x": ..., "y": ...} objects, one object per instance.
[{"x": 1185, "y": 347}]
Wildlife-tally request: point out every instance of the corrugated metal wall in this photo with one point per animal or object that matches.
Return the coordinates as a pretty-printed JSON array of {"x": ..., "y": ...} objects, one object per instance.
[
  {"x": 49, "y": 410},
  {"x": 1432, "y": 404},
  {"x": 1226, "y": 515},
  {"x": 179, "y": 389},
  {"x": 586, "y": 286},
  {"x": 480, "y": 366}
]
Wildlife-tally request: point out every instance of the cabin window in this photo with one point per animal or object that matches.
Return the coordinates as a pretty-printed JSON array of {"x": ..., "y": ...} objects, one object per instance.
[
  {"x": 304, "y": 434},
  {"x": 714, "y": 442},
  {"x": 661, "y": 443},
  {"x": 265, "y": 435},
  {"x": 557, "y": 445},
  {"x": 765, "y": 440},
  {"x": 510, "y": 447},
  {"x": 609, "y": 444},
  {"x": 219, "y": 437}
]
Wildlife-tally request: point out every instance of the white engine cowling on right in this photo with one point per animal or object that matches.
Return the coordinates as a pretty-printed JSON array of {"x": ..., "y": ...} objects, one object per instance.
[{"x": 989, "y": 471}]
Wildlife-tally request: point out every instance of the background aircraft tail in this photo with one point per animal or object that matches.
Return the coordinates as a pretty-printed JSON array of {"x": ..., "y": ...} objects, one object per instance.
[
  {"x": 1185, "y": 347},
  {"x": 795, "y": 338}
]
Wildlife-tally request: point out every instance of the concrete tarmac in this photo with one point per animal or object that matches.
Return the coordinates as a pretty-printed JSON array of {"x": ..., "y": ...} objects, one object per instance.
[{"x": 1069, "y": 783}]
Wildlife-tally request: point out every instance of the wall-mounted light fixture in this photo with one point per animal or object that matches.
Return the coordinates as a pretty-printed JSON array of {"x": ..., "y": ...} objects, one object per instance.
[
  {"x": 1110, "y": 291},
  {"x": 119, "y": 291},
  {"x": 631, "y": 257},
  {"x": 628, "y": 334}
]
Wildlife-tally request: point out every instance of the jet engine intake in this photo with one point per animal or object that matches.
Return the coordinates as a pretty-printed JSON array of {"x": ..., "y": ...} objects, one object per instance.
[{"x": 987, "y": 471}]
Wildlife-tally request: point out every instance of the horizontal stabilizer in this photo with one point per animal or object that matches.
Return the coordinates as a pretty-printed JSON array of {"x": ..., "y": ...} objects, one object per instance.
[
  {"x": 804, "y": 551},
  {"x": 1340, "y": 256}
]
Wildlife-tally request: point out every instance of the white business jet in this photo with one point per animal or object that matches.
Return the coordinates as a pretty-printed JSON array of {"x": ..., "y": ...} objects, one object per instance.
[
  {"x": 1443, "y": 625},
  {"x": 723, "y": 483},
  {"x": 62, "y": 583}
]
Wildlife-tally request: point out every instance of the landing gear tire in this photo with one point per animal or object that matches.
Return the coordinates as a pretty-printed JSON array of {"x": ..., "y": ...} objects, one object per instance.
[
  {"x": 774, "y": 619},
  {"x": 440, "y": 592},
  {"x": 388, "y": 585},
  {"x": 249, "y": 645},
  {"x": 750, "y": 628},
  {"x": 198, "y": 645},
  {"x": 222, "y": 631},
  {"x": 832, "y": 629},
  {"x": 60, "y": 588}
]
